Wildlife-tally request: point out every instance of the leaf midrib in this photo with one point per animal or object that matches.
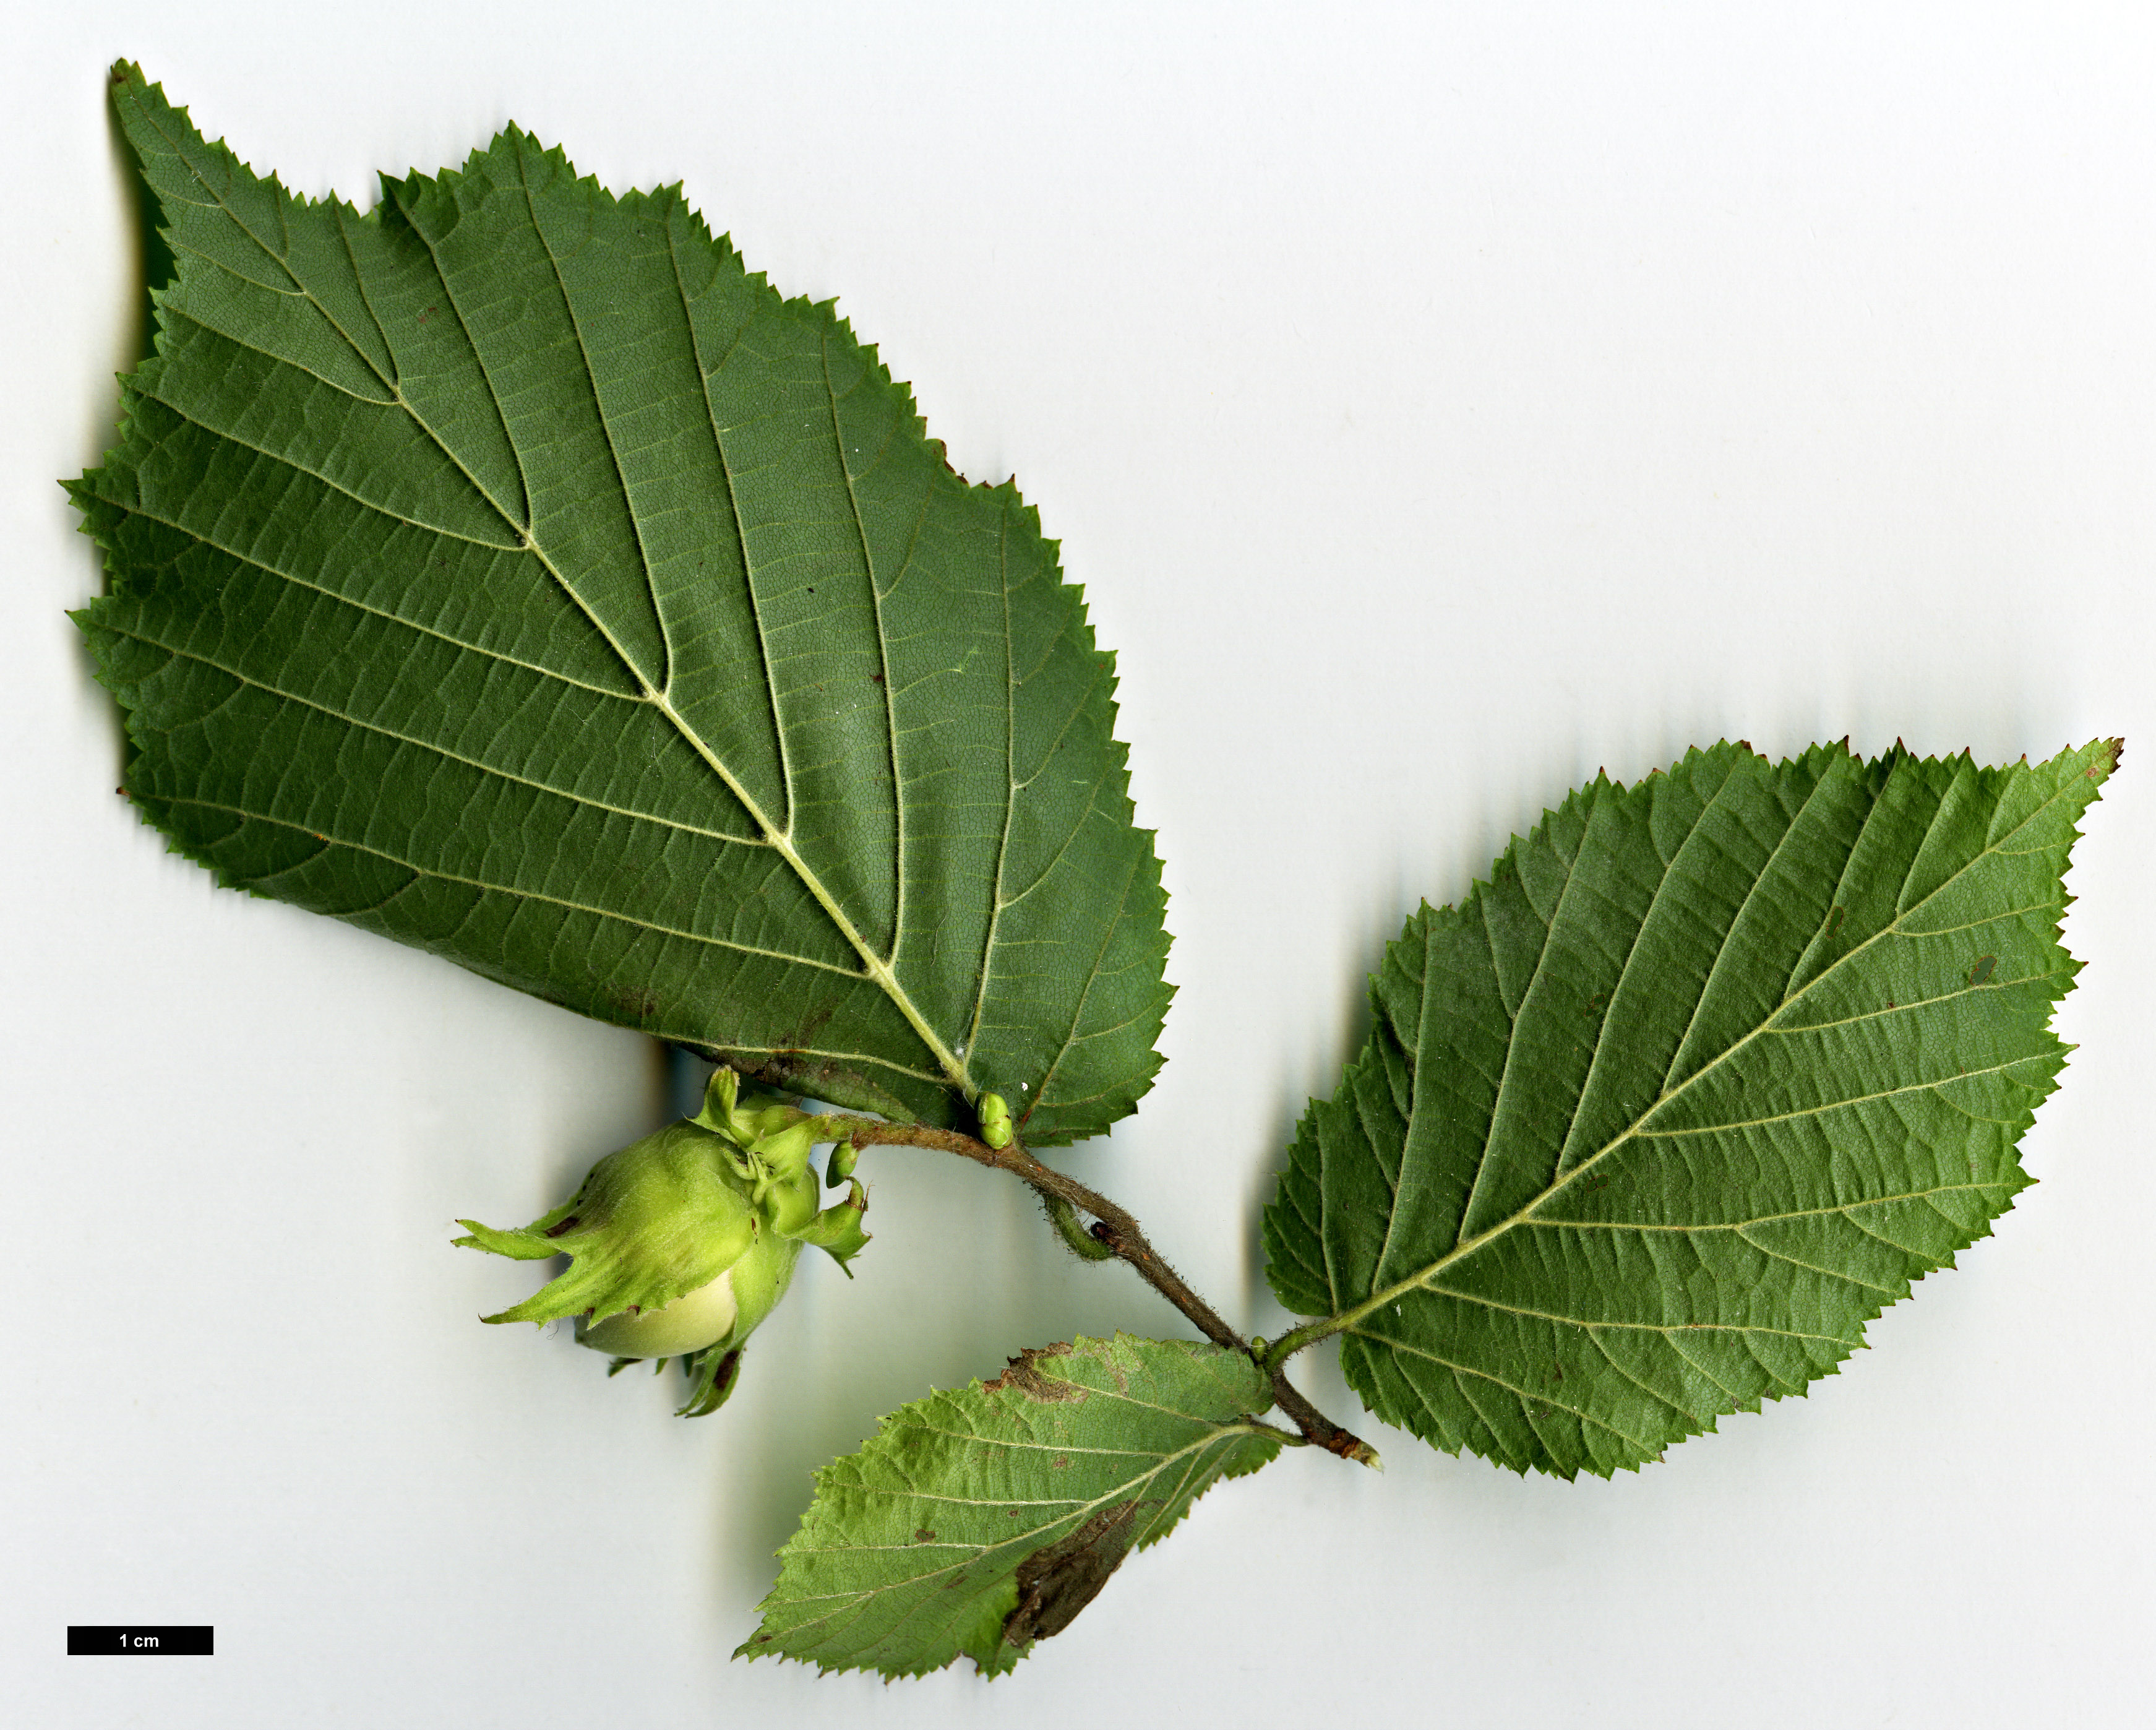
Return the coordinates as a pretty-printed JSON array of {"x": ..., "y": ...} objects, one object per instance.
[{"x": 1345, "y": 1320}]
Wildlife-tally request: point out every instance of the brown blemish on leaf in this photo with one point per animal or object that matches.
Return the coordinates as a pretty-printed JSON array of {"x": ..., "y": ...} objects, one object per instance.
[
  {"x": 813, "y": 1022},
  {"x": 1982, "y": 969},
  {"x": 922, "y": 1535},
  {"x": 1060, "y": 1579},
  {"x": 1024, "y": 1375},
  {"x": 629, "y": 1007}
]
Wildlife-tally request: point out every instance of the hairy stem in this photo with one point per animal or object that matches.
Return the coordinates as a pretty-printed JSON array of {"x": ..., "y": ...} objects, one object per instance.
[
  {"x": 1072, "y": 1230},
  {"x": 1288, "y": 1344},
  {"x": 1119, "y": 1235}
]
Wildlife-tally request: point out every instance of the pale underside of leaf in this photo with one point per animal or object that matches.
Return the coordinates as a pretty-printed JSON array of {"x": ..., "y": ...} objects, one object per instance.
[
  {"x": 1704, "y": 1076},
  {"x": 916, "y": 1550},
  {"x": 508, "y": 570}
]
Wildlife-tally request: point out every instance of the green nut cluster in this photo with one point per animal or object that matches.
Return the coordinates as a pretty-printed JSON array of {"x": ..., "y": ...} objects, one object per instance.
[{"x": 682, "y": 1243}]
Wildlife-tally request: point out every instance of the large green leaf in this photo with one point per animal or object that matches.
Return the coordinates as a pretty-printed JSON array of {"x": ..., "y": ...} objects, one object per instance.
[
  {"x": 976, "y": 1522},
  {"x": 1699, "y": 1081},
  {"x": 509, "y": 571}
]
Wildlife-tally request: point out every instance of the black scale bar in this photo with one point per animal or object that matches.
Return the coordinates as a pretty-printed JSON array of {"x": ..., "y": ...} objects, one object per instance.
[{"x": 142, "y": 1640}]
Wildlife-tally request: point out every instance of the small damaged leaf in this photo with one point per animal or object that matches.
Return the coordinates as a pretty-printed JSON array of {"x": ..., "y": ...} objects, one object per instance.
[{"x": 978, "y": 1521}]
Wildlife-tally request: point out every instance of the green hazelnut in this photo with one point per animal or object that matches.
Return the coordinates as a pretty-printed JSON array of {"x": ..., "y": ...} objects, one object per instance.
[{"x": 681, "y": 1244}]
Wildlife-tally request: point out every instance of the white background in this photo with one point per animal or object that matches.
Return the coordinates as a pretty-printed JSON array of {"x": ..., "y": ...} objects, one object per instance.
[{"x": 1437, "y": 405}]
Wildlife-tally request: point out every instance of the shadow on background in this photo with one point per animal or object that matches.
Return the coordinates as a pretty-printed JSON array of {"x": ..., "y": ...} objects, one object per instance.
[{"x": 155, "y": 257}]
